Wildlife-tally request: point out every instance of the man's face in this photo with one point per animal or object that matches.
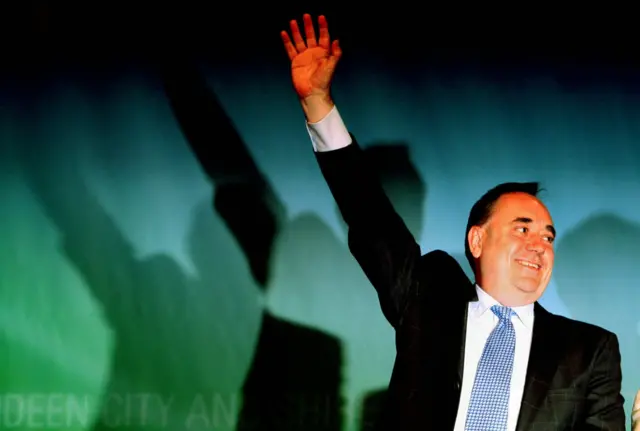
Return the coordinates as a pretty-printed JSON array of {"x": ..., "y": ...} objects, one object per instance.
[{"x": 514, "y": 250}]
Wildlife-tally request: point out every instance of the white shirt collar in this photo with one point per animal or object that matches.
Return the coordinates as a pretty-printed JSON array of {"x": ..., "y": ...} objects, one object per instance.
[{"x": 486, "y": 301}]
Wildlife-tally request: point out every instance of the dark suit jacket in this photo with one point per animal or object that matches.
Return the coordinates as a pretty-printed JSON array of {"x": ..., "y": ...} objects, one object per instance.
[{"x": 573, "y": 379}]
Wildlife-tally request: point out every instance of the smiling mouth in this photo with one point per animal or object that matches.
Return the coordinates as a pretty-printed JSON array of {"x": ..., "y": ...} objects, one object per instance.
[{"x": 529, "y": 265}]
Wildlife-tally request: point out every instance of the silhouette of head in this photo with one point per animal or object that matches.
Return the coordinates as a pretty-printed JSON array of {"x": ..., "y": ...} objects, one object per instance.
[
  {"x": 509, "y": 243},
  {"x": 597, "y": 278}
]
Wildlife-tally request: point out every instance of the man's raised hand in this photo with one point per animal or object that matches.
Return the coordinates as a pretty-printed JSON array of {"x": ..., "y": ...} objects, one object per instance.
[{"x": 312, "y": 63}]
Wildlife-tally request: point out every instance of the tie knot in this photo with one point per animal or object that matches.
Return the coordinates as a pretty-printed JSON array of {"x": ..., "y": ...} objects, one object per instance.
[{"x": 503, "y": 313}]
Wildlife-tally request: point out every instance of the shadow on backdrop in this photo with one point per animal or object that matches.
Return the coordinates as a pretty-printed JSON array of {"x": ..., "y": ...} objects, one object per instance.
[
  {"x": 295, "y": 376},
  {"x": 169, "y": 327},
  {"x": 596, "y": 273}
]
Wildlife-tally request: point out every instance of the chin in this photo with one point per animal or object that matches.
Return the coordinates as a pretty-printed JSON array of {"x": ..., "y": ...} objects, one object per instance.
[{"x": 528, "y": 286}]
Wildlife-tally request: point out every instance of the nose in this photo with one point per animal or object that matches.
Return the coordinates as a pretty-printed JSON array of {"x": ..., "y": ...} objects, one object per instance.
[{"x": 535, "y": 245}]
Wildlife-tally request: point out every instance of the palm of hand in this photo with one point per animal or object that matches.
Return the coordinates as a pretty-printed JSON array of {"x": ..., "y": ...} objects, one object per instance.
[{"x": 310, "y": 71}]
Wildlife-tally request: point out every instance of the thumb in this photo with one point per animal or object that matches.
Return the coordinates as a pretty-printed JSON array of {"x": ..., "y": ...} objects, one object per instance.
[{"x": 334, "y": 55}]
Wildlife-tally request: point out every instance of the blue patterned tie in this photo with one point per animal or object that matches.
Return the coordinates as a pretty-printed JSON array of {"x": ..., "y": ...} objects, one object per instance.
[{"x": 489, "y": 406}]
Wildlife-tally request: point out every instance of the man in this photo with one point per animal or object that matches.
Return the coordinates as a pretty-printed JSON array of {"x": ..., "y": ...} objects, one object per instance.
[{"x": 469, "y": 357}]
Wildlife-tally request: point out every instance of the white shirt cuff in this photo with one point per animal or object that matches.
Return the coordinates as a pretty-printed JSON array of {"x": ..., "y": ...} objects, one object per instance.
[{"x": 330, "y": 133}]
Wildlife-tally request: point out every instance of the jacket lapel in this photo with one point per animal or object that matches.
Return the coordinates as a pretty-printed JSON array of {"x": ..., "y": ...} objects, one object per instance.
[{"x": 543, "y": 362}]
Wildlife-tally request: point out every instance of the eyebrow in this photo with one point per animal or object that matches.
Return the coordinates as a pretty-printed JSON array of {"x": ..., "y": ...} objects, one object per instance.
[{"x": 548, "y": 227}]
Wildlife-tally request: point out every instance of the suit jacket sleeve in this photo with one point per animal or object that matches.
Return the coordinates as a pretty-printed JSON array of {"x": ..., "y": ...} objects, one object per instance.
[
  {"x": 378, "y": 237},
  {"x": 604, "y": 401}
]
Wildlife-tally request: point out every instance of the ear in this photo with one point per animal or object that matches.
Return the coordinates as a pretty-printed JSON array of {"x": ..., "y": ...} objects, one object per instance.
[{"x": 475, "y": 238}]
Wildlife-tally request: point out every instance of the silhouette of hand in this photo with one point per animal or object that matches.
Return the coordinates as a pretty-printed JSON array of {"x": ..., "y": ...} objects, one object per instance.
[
  {"x": 635, "y": 414},
  {"x": 312, "y": 64}
]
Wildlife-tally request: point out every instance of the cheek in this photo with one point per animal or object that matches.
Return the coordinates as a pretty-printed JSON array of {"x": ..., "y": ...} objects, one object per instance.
[
  {"x": 506, "y": 255},
  {"x": 513, "y": 247}
]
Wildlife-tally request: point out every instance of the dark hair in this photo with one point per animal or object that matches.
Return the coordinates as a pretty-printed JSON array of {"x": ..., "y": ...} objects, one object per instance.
[{"x": 483, "y": 208}]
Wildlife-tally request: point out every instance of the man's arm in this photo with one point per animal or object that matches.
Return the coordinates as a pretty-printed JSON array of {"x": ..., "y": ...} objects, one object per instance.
[
  {"x": 330, "y": 132},
  {"x": 605, "y": 403},
  {"x": 378, "y": 237}
]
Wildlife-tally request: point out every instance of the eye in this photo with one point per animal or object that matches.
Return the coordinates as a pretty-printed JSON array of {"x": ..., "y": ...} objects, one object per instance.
[
  {"x": 549, "y": 239},
  {"x": 522, "y": 229}
]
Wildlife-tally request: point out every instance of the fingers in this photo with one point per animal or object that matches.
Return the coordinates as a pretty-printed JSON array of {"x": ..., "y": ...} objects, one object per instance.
[
  {"x": 288, "y": 46},
  {"x": 308, "y": 31},
  {"x": 297, "y": 37},
  {"x": 295, "y": 44},
  {"x": 324, "y": 32}
]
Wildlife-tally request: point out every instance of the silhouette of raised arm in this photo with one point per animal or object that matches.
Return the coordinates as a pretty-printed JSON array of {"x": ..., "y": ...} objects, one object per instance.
[{"x": 244, "y": 198}]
